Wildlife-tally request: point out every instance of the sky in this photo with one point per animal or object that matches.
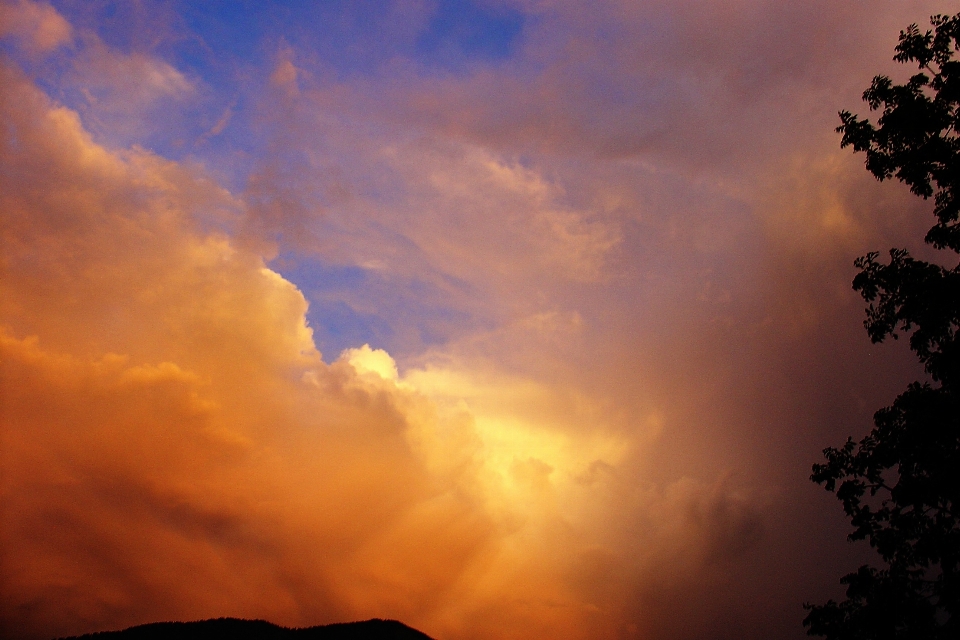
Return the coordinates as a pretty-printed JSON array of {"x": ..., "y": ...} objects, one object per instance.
[{"x": 507, "y": 319}]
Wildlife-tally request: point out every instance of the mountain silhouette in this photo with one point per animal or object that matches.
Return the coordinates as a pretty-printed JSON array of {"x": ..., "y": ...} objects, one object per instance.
[{"x": 235, "y": 629}]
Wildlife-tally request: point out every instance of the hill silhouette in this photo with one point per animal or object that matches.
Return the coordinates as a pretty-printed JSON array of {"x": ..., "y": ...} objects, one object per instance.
[{"x": 235, "y": 629}]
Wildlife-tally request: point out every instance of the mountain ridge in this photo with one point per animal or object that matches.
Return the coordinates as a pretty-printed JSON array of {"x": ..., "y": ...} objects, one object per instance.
[{"x": 240, "y": 629}]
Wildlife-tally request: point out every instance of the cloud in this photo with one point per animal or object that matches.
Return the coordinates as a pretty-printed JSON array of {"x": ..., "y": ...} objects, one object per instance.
[
  {"x": 37, "y": 25},
  {"x": 284, "y": 74},
  {"x": 595, "y": 325},
  {"x": 367, "y": 360},
  {"x": 701, "y": 83},
  {"x": 122, "y": 91},
  {"x": 166, "y": 415}
]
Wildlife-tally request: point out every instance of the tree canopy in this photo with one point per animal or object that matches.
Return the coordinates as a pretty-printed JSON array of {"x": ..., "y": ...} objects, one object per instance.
[{"x": 900, "y": 485}]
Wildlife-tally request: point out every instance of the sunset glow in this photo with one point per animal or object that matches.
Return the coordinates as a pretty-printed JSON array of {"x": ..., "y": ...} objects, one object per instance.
[{"x": 508, "y": 319}]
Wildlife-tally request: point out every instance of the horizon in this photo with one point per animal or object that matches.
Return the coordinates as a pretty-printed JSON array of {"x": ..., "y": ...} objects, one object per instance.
[{"x": 239, "y": 629}]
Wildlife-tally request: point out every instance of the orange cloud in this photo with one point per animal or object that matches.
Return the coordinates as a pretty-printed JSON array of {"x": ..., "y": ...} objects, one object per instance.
[
  {"x": 643, "y": 294},
  {"x": 174, "y": 446},
  {"x": 36, "y": 24}
]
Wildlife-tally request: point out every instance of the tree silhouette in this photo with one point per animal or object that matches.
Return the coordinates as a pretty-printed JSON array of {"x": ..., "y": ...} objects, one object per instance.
[{"x": 900, "y": 485}]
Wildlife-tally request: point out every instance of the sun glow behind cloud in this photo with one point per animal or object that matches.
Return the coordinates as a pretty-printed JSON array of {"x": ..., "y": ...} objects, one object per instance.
[
  {"x": 578, "y": 304},
  {"x": 165, "y": 408}
]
